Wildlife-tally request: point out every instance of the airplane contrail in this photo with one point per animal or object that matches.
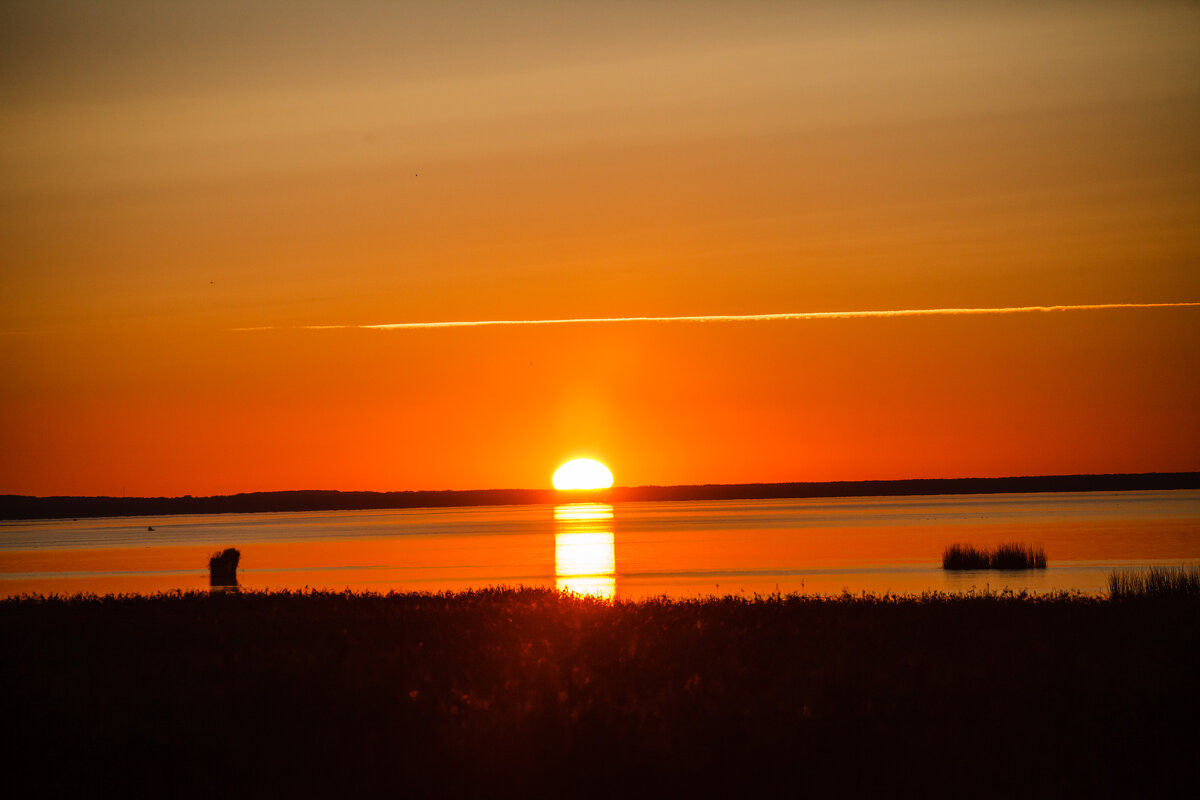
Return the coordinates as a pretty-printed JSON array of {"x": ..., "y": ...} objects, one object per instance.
[{"x": 799, "y": 315}]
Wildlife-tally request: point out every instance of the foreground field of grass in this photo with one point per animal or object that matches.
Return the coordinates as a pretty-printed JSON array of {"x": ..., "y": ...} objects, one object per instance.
[{"x": 529, "y": 692}]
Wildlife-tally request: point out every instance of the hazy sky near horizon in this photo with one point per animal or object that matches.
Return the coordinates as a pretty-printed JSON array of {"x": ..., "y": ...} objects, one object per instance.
[{"x": 173, "y": 173}]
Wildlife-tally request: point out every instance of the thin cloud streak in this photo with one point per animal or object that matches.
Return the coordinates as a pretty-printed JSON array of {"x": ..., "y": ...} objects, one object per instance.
[{"x": 801, "y": 315}]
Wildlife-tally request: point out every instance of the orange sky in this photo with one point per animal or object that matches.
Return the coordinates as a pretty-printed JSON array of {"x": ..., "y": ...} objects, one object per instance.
[{"x": 172, "y": 172}]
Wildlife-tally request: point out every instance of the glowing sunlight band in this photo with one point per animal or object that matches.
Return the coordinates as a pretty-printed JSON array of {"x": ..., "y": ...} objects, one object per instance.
[{"x": 803, "y": 315}]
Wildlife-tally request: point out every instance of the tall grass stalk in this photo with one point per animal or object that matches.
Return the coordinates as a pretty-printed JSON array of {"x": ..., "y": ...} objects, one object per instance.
[{"x": 1156, "y": 582}]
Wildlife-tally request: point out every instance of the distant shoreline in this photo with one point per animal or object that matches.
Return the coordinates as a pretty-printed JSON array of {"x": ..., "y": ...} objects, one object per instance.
[{"x": 18, "y": 507}]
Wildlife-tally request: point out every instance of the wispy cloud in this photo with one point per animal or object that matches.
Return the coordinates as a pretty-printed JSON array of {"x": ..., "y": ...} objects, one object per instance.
[{"x": 789, "y": 316}]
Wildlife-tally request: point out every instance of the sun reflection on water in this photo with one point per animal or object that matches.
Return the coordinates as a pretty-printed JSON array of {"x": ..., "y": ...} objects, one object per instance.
[{"x": 585, "y": 559}]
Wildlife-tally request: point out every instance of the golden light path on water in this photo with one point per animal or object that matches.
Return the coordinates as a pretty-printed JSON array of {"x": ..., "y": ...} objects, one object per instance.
[{"x": 585, "y": 560}]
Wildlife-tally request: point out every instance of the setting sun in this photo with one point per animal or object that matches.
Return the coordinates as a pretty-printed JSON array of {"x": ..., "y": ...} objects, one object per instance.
[{"x": 583, "y": 473}]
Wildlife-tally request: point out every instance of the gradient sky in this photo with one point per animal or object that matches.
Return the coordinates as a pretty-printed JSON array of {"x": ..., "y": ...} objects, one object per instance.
[{"x": 174, "y": 173}]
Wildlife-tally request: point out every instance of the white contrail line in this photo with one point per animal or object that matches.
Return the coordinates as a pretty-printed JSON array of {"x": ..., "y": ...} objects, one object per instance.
[{"x": 801, "y": 315}]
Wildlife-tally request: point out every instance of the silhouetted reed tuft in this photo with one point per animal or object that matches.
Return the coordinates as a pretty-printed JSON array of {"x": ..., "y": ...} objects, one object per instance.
[
  {"x": 1013, "y": 555},
  {"x": 1156, "y": 583},
  {"x": 964, "y": 556},
  {"x": 1018, "y": 556}
]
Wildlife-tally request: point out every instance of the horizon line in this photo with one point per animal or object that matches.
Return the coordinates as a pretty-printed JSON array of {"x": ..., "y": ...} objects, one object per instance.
[
  {"x": 572, "y": 492},
  {"x": 777, "y": 317}
]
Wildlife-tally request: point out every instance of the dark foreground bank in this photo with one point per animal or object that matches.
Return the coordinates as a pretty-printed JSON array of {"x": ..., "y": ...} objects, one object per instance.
[{"x": 530, "y": 692}]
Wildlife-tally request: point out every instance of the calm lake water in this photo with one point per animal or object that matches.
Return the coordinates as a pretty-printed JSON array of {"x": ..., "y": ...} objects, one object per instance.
[{"x": 625, "y": 550}]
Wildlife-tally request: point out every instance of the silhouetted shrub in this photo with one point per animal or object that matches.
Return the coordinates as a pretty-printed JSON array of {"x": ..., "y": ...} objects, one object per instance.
[{"x": 222, "y": 567}]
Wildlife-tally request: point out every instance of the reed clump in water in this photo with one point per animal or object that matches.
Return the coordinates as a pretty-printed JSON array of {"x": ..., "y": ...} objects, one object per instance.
[
  {"x": 1155, "y": 583},
  {"x": 1013, "y": 555},
  {"x": 964, "y": 556},
  {"x": 1018, "y": 556}
]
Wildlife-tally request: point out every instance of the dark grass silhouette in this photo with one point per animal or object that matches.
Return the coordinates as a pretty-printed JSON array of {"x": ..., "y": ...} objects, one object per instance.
[
  {"x": 533, "y": 693},
  {"x": 1018, "y": 556},
  {"x": 1156, "y": 583},
  {"x": 1005, "y": 556},
  {"x": 965, "y": 556}
]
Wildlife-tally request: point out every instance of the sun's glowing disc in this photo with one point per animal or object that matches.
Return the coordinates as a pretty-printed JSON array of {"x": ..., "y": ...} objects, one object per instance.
[{"x": 583, "y": 473}]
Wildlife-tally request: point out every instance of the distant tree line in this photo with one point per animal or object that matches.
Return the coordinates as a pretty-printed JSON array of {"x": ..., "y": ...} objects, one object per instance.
[{"x": 26, "y": 507}]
